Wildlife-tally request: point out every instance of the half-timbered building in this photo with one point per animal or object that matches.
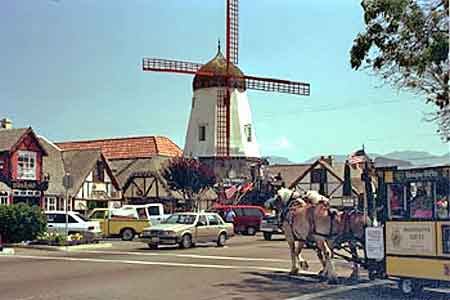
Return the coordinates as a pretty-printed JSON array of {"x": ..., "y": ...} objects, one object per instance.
[{"x": 22, "y": 178}]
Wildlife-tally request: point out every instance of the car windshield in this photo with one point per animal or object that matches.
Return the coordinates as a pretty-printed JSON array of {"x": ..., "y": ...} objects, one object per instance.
[
  {"x": 181, "y": 219},
  {"x": 82, "y": 217}
]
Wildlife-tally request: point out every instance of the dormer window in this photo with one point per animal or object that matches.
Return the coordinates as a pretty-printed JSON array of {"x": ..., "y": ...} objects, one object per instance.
[{"x": 26, "y": 165}]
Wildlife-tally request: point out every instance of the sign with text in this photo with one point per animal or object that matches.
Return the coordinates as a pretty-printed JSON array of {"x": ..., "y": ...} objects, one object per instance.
[
  {"x": 375, "y": 243},
  {"x": 414, "y": 238},
  {"x": 24, "y": 185}
]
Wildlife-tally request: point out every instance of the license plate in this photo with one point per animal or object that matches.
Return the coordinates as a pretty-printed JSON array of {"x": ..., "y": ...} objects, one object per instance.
[{"x": 155, "y": 240}]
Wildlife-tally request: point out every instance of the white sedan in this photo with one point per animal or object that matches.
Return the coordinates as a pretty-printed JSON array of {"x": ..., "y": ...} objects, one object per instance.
[{"x": 77, "y": 223}]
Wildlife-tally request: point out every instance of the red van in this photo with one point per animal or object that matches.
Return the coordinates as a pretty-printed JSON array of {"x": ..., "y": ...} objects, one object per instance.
[{"x": 248, "y": 217}]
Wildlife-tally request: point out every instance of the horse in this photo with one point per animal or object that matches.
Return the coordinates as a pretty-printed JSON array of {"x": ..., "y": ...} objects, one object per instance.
[{"x": 308, "y": 217}]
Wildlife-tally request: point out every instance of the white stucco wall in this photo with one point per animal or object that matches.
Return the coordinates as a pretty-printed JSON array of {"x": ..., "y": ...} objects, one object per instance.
[{"x": 203, "y": 112}]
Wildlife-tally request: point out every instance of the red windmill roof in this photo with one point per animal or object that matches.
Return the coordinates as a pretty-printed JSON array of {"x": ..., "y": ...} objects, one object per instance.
[{"x": 126, "y": 148}]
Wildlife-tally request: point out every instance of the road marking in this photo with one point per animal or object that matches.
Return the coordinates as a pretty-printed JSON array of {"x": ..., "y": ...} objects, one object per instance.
[
  {"x": 236, "y": 258},
  {"x": 340, "y": 289},
  {"x": 140, "y": 262}
]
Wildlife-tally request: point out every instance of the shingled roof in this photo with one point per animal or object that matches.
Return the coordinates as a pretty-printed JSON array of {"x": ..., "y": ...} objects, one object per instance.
[
  {"x": 79, "y": 163},
  {"x": 289, "y": 173},
  {"x": 127, "y": 148},
  {"x": 9, "y": 138}
]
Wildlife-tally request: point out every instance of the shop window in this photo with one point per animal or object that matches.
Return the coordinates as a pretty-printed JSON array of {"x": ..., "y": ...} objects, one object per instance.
[
  {"x": 26, "y": 165},
  {"x": 442, "y": 199},
  {"x": 420, "y": 198},
  {"x": 50, "y": 204},
  {"x": 397, "y": 207},
  {"x": 202, "y": 133},
  {"x": 3, "y": 200}
]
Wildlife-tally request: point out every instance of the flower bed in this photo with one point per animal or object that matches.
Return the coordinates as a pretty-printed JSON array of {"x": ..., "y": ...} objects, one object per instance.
[{"x": 56, "y": 239}]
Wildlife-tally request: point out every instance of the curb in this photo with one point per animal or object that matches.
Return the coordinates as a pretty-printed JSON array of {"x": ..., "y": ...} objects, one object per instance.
[
  {"x": 7, "y": 251},
  {"x": 64, "y": 248}
]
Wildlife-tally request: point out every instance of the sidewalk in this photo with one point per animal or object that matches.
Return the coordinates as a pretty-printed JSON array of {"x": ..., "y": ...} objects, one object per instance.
[{"x": 63, "y": 248}]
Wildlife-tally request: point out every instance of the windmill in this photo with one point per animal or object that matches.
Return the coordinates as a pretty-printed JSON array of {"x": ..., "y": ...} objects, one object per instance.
[{"x": 220, "y": 124}]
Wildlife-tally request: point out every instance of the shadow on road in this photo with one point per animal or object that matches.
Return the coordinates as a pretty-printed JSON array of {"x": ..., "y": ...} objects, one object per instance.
[{"x": 281, "y": 283}]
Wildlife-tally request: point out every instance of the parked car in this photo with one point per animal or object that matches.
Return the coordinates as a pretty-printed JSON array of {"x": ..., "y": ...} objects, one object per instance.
[
  {"x": 270, "y": 226},
  {"x": 248, "y": 217},
  {"x": 77, "y": 223},
  {"x": 116, "y": 223},
  {"x": 187, "y": 229},
  {"x": 152, "y": 211}
]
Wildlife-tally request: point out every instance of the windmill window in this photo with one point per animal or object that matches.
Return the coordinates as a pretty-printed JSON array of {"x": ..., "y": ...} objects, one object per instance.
[
  {"x": 248, "y": 132},
  {"x": 202, "y": 133}
]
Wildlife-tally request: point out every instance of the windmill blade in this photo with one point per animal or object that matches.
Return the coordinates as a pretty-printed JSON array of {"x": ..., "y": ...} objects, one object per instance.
[
  {"x": 173, "y": 66},
  {"x": 232, "y": 31},
  {"x": 277, "y": 85}
]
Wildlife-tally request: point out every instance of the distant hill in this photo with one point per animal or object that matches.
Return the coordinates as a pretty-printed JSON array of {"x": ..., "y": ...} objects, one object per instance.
[
  {"x": 420, "y": 158},
  {"x": 278, "y": 160},
  {"x": 400, "y": 158}
]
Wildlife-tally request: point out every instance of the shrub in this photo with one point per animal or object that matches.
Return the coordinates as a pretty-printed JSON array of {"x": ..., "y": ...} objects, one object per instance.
[{"x": 21, "y": 222}]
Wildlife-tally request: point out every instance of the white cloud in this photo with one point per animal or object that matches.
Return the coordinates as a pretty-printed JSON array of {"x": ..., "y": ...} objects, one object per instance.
[{"x": 283, "y": 143}]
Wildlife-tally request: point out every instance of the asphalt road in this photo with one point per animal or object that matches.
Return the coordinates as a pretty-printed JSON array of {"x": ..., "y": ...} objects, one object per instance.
[{"x": 247, "y": 268}]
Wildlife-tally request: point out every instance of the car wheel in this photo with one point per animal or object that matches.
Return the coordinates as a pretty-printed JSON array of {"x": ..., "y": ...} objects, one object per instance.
[
  {"x": 267, "y": 236},
  {"x": 251, "y": 230},
  {"x": 186, "y": 241},
  {"x": 221, "y": 240},
  {"x": 410, "y": 287},
  {"x": 153, "y": 246},
  {"x": 127, "y": 234}
]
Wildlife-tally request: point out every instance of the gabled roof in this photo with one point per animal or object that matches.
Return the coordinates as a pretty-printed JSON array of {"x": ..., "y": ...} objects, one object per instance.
[
  {"x": 124, "y": 170},
  {"x": 53, "y": 166},
  {"x": 128, "y": 148},
  {"x": 9, "y": 138},
  {"x": 288, "y": 172},
  {"x": 336, "y": 171},
  {"x": 79, "y": 163}
]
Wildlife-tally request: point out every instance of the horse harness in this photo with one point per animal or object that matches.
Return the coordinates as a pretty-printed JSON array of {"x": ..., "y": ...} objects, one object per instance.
[{"x": 332, "y": 213}]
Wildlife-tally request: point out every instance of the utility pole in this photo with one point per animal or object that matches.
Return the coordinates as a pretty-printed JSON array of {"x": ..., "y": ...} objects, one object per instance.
[{"x": 68, "y": 184}]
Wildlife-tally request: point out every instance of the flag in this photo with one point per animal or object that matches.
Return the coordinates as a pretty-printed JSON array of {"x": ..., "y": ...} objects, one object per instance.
[
  {"x": 248, "y": 186},
  {"x": 229, "y": 192},
  {"x": 358, "y": 158}
]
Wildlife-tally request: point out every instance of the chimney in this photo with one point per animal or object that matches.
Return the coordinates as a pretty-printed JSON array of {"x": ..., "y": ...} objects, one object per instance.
[
  {"x": 6, "y": 123},
  {"x": 330, "y": 160}
]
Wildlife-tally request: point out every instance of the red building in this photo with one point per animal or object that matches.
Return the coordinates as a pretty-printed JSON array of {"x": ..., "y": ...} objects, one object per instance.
[{"x": 21, "y": 171}]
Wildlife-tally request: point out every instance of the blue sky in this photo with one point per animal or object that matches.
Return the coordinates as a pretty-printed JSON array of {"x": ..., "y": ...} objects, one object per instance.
[{"x": 72, "y": 70}]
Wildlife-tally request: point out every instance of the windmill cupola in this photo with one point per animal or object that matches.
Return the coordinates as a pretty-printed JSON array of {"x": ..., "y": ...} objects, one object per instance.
[{"x": 218, "y": 67}]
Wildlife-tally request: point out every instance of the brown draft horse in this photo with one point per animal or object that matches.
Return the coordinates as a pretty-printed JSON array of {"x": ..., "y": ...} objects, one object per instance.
[{"x": 308, "y": 218}]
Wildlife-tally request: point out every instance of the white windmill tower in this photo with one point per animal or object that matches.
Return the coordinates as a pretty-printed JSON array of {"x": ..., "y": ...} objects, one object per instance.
[{"x": 220, "y": 130}]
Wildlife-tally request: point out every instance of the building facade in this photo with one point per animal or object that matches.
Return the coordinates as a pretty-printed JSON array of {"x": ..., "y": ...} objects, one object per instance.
[{"x": 22, "y": 178}]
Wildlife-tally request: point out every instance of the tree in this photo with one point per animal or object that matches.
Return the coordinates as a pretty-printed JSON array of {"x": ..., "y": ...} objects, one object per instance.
[
  {"x": 406, "y": 43},
  {"x": 190, "y": 177}
]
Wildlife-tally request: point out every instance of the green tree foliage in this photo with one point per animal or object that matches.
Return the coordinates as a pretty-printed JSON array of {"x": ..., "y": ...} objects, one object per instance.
[
  {"x": 21, "y": 222},
  {"x": 190, "y": 177},
  {"x": 406, "y": 42}
]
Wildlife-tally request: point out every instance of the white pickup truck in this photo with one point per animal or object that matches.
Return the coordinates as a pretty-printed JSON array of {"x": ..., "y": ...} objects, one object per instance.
[{"x": 153, "y": 212}]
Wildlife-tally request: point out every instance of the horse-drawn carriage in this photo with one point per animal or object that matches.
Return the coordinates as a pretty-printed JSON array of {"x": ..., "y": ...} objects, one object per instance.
[
  {"x": 410, "y": 241},
  {"x": 415, "y": 235}
]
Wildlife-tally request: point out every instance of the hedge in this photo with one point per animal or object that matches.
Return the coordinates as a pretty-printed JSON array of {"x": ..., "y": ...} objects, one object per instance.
[{"x": 21, "y": 222}]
